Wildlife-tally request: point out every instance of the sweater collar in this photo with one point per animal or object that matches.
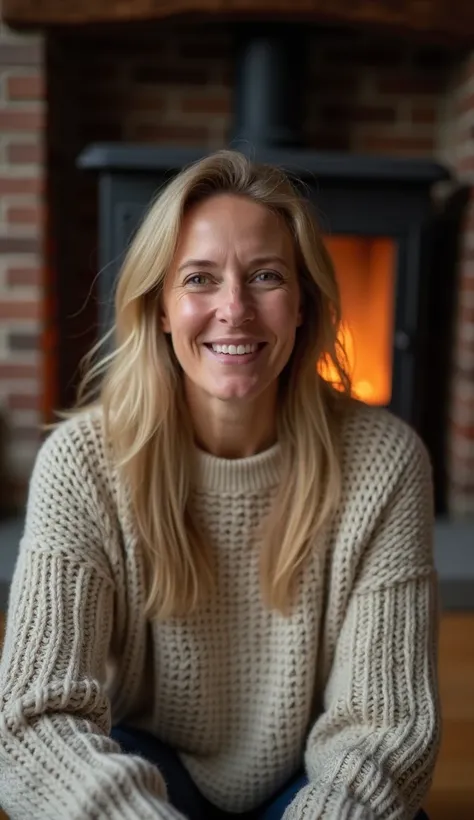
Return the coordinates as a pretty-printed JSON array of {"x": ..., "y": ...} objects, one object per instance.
[{"x": 238, "y": 475}]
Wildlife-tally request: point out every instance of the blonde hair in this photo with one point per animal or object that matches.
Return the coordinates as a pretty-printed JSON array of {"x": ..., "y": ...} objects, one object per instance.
[{"x": 138, "y": 386}]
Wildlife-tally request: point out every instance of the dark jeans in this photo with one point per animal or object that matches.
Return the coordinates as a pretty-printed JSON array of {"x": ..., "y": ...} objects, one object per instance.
[{"x": 183, "y": 792}]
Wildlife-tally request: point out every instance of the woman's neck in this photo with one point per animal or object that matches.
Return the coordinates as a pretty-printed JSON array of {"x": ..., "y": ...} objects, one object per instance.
[{"x": 232, "y": 429}]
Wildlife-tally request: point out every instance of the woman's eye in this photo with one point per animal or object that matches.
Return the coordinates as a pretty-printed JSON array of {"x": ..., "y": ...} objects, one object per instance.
[
  {"x": 197, "y": 279},
  {"x": 268, "y": 276}
]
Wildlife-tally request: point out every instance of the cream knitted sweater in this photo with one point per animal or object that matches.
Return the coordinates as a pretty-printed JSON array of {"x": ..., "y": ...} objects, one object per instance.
[{"x": 347, "y": 683}]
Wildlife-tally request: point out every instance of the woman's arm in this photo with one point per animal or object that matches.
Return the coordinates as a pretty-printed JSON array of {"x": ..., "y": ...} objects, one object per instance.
[
  {"x": 56, "y": 758},
  {"x": 372, "y": 752}
]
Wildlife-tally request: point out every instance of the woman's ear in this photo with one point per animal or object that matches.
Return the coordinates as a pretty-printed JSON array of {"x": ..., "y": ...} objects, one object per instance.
[
  {"x": 300, "y": 315},
  {"x": 164, "y": 319},
  {"x": 301, "y": 289}
]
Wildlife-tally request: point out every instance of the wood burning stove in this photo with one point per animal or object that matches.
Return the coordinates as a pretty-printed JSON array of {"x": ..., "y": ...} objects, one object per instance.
[{"x": 376, "y": 212}]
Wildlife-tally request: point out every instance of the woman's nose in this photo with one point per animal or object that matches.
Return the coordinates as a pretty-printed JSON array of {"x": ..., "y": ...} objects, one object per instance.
[{"x": 234, "y": 306}]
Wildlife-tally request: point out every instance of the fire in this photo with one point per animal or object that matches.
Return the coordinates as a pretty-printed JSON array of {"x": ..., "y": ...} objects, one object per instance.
[
  {"x": 365, "y": 270},
  {"x": 365, "y": 389}
]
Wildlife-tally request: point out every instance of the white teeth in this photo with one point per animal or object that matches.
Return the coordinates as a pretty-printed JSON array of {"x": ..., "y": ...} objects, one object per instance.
[{"x": 234, "y": 350}]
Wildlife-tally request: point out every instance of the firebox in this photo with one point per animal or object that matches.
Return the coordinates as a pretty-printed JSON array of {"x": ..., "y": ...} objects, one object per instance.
[{"x": 376, "y": 213}]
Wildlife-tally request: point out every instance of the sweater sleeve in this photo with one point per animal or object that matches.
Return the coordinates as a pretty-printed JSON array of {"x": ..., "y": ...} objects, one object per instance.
[
  {"x": 372, "y": 751},
  {"x": 56, "y": 757}
]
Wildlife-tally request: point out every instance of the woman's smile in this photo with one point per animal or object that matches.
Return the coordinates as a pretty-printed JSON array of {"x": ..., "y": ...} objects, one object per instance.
[{"x": 238, "y": 352}]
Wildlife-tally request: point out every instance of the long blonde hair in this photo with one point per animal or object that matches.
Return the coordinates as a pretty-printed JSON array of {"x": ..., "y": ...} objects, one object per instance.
[{"x": 138, "y": 386}]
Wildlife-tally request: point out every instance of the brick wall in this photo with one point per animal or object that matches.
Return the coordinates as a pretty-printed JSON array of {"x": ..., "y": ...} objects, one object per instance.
[
  {"x": 373, "y": 96},
  {"x": 172, "y": 83},
  {"x": 21, "y": 235},
  {"x": 457, "y": 149}
]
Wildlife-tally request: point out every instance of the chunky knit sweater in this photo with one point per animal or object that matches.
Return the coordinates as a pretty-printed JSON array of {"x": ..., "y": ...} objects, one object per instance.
[{"x": 346, "y": 684}]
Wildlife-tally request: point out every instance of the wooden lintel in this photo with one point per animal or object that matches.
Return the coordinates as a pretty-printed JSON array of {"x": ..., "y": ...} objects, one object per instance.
[{"x": 436, "y": 19}]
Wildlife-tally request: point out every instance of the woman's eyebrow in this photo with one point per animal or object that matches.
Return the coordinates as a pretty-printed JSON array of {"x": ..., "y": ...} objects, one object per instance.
[
  {"x": 262, "y": 260},
  {"x": 197, "y": 263},
  {"x": 257, "y": 260}
]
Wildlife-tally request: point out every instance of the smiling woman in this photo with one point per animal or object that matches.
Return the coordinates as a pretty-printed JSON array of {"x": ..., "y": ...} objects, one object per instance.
[
  {"x": 225, "y": 602},
  {"x": 232, "y": 323}
]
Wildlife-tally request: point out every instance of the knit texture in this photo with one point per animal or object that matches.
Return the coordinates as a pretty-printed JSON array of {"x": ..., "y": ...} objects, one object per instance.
[{"x": 346, "y": 684}]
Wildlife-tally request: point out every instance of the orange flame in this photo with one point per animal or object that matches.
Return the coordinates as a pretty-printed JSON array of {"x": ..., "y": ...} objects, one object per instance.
[{"x": 365, "y": 272}]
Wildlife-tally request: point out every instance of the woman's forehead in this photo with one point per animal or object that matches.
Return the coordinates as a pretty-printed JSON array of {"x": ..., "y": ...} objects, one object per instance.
[{"x": 225, "y": 220}]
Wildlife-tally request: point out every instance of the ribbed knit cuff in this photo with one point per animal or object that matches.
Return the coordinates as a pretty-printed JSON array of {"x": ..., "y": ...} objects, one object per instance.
[{"x": 312, "y": 803}]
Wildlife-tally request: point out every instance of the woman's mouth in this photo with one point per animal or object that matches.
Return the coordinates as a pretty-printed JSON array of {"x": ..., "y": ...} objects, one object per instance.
[{"x": 235, "y": 354}]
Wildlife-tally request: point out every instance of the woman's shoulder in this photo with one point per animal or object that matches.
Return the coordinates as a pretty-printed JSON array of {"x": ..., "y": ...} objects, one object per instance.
[
  {"x": 74, "y": 451},
  {"x": 70, "y": 508},
  {"x": 378, "y": 445}
]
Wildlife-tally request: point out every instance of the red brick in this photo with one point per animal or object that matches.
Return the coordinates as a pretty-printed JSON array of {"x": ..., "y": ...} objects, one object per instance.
[
  {"x": 24, "y": 216},
  {"x": 192, "y": 48},
  {"x": 177, "y": 74},
  {"x": 465, "y": 346},
  {"x": 463, "y": 431},
  {"x": 468, "y": 70},
  {"x": 26, "y": 87},
  {"x": 17, "y": 371},
  {"x": 424, "y": 115},
  {"x": 20, "y": 185},
  {"x": 460, "y": 388},
  {"x": 15, "y": 120},
  {"x": 467, "y": 315},
  {"x": 409, "y": 84},
  {"x": 459, "y": 491},
  {"x": 23, "y": 277},
  {"x": 466, "y": 104},
  {"x": 466, "y": 252},
  {"x": 398, "y": 145},
  {"x": 181, "y": 134},
  {"x": 19, "y": 401},
  {"x": 333, "y": 82},
  {"x": 20, "y": 310},
  {"x": 359, "y": 113},
  {"x": 146, "y": 99},
  {"x": 325, "y": 139},
  {"x": 211, "y": 103},
  {"x": 468, "y": 223},
  {"x": 24, "y": 152},
  {"x": 101, "y": 131},
  {"x": 465, "y": 164},
  {"x": 364, "y": 54}
]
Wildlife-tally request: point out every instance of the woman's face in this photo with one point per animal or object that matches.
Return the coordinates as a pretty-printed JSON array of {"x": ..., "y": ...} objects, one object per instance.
[{"x": 231, "y": 300}]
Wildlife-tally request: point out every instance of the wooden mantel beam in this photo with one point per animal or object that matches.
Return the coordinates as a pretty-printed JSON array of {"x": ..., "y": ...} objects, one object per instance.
[{"x": 436, "y": 19}]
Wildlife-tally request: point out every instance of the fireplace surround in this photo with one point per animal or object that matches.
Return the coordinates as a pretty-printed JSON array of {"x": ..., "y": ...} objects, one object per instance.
[
  {"x": 377, "y": 209},
  {"x": 382, "y": 80}
]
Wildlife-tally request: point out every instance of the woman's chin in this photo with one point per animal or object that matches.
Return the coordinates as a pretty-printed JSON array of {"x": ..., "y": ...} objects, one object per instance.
[{"x": 237, "y": 390}]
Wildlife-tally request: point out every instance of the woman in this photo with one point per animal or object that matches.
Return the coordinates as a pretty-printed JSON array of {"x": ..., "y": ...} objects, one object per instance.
[{"x": 224, "y": 603}]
